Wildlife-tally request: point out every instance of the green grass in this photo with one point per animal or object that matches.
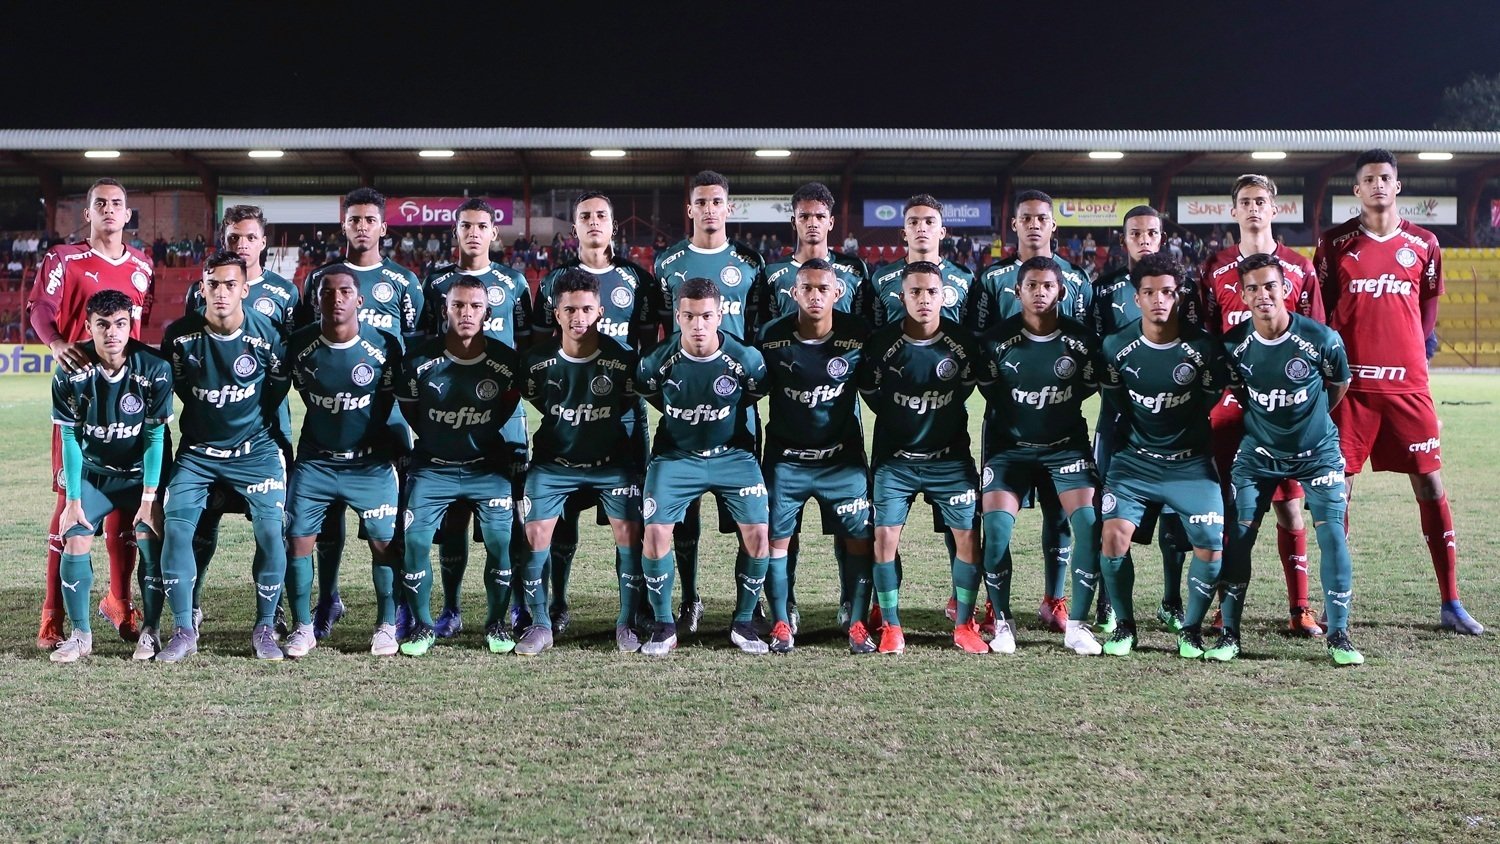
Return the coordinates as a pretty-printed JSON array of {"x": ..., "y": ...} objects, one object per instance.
[{"x": 711, "y": 744}]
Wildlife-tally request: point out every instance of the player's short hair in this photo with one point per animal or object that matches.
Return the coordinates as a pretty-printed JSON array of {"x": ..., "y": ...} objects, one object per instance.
[
  {"x": 225, "y": 258},
  {"x": 107, "y": 302},
  {"x": 593, "y": 194},
  {"x": 923, "y": 200},
  {"x": 364, "y": 196},
  {"x": 814, "y": 265},
  {"x": 336, "y": 270},
  {"x": 698, "y": 288},
  {"x": 1033, "y": 196},
  {"x": 1039, "y": 263},
  {"x": 1252, "y": 180},
  {"x": 709, "y": 179},
  {"x": 104, "y": 182},
  {"x": 473, "y": 203},
  {"x": 921, "y": 268},
  {"x": 1142, "y": 211},
  {"x": 575, "y": 280},
  {"x": 813, "y": 192},
  {"x": 1157, "y": 263},
  {"x": 1260, "y": 261},
  {"x": 1374, "y": 156}
]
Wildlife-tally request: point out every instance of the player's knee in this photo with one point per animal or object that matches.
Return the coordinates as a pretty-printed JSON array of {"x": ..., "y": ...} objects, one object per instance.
[
  {"x": 1114, "y": 537},
  {"x": 80, "y": 544},
  {"x": 1428, "y": 487},
  {"x": 539, "y": 534}
]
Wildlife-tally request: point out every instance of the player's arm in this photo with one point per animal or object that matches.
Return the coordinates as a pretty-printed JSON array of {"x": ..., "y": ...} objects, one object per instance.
[
  {"x": 43, "y": 306},
  {"x": 645, "y": 323},
  {"x": 520, "y": 318},
  {"x": 1326, "y": 277},
  {"x": 385, "y": 393},
  {"x": 193, "y": 302},
  {"x": 65, "y": 417},
  {"x": 406, "y": 393},
  {"x": 303, "y": 313},
  {"x": 664, "y": 303},
  {"x": 648, "y": 382},
  {"x": 991, "y": 389},
  {"x": 975, "y": 304},
  {"x": 756, "y": 298},
  {"x": 1336, "y": 374},
  {"x": 543, "y": 320},
  {"x": 149, "y": 513},
  {"x": 412, "y": 302},
  {"x": 1432, "y": 288},
  {"x": 870, "y": 377},
  {"x": 532, "y": 379},
  {"x": 754, "y": 379}
]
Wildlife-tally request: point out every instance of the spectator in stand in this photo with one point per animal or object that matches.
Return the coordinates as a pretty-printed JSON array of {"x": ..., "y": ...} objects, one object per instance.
[
  {"x": 851, "y": 244},
  {"x": 1089, "y": 247},
  {"x": 1174, "y": 245},
  {"x": 388, "y": 243},
  {"x": 408, "y": 247},
  {"x": 159, "y": 251},
  {"x": 965, "y": 249},
  {"x": 1075, "y": 248},
  {"x": 661, "y": 243},
  {"x": 434, "y": 247}
]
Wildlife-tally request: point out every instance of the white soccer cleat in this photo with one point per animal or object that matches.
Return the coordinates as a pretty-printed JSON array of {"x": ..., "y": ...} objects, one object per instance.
[
  {"x": 384, "y": 642},
  {"x": 1004, "y": 641},
  {"x": 77, "y": 646},
  {"x": 1080, "y": 640},
  {"x": 300, "y": 641},
  {"x": 147, "y": 646}
]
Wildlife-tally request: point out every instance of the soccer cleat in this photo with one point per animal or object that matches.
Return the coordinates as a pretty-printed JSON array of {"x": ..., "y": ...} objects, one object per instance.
[
  {"x": 846, "y": 612},
  {"x": 1216, "y": 624},
  {"x": 1303, "y": 623},
  {"x": 279, "y": 622},
  {"x": 1170, "y": 616},
  {"x": 1190, "y": 643},
  {"x": 449, "y": 623},
  {"x": 877, "y": 621},
  {"x": 520, "y": 618},
  {"x": 122, "y": 616},
  {"x": 50, "y": 634},
  {"x": 744, "y": 637},
  {"x": 77, "y": 646},
  {"x": 1080, "y": 639},
  {"x": 951, "y": 611},
  {"x": 987, "y": 624},
  {"x": 626, "y": 639},
  {"x": 1454, "y": 617},
  {"x": 663, "y": 640},
  {"x": 1227, "y": 648},
  {"x": 561, "y": 618},
  {"x": 859, "y": 639},
  {"x": 384, "y": 642},
  {"x": 263, "y": 643},
  {"x": 1342, "y": 650},
  {"x": 197, "y": 618},
  {"x": 403, "y": 623},
  {"x": 759, "y": 617},
  {"x": 1121, "y": 642},
  {"x": 691, "y": 614},
  {"x": 183, "y": 644},
  {"x": 793, "y": 618},
  {"x": 534, "y": 640},
  {"x": 1054, "y": 613},
  {"x": 782, "y": 640},
  {"x": 1105, "y": 619},
  {"x": 301, "y": 641},
  {"x": 147, "y": 645},
  {"x": 892, "y": 640},
  {"x": 1004, "y": 639},
  {"x": 329, "y": 610},
  {"x": 419, "y": 640},
  {"x": 498, "y": 637},
  {"x": 967, "y": 639}
]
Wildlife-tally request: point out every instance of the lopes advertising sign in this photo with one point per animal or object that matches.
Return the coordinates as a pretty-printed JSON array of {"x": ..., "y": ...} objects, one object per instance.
[
  {"x": 957, "y": 213},
  {"x": 1094, "y": 211},
  {"x": 1215, "y": 209},
  {"x": 439, "y": 210}
]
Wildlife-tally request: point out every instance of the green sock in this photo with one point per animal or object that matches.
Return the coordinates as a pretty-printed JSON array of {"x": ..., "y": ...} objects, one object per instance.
[
  {"x": 148, "y": 575},
  {"x": 998, "y": 526},
  {"x": 299, "y": 583},
  {"x": 965, "y": 589},
  {"x": 1203, "y": 581},
  {"x": 778, "y": 582},
  {"x": 453, "y": 561},
  {"x": 269, "y": 567},
  {"x": 1234, "y": 574},
  {"x": 178, "y": 569},
  {"x": 560, "y": 571},
  {"x": 1084, "y": 561},
  {"x": 330, "y": 551},
  {"x": 77, "y": 575},
  {"x": 887, "y": 592},
  {"x": 750, "y": 580},
  {"x": 383, "y": 576},
  {"x": 1056, "y": 550},
  {"x": 498, "y": 571},
  {"x": 860, "y": 587},
  {"x": 1336, "y": 572},
  {"x": 658, "y": 574},
  {"x": 791, "y": 574},
  {"x": 847, "y": 577},
  {"x": 534, "y": 585},
  {"x": 1119, "y": 580},
  {"x": 628, "y": 563},
  {"x": 416, "y": 575},
  {"x": 205, "y": 545}
]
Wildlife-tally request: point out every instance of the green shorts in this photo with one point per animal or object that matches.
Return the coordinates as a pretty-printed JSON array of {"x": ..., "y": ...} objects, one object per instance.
[
  {"x": 1189, "y": 486},
  {"x": 432, "y": 487},
  {"x": 1019, "y": 470},
  {"x": 549, "y": 485},
  {"x": 259, "y": 476},
  {"x": 950, "y": 484},
  {"x": 842, "y": 490},
  {"x": 1255, "y": 476},
  {"x": 101, "y": 495},
  {"x": 677, "y": 479},
  {"x": 368, "y": 485}
]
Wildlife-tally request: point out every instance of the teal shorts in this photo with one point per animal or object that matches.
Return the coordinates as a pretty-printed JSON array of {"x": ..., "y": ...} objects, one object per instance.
[
  {"x": 258, "y": 475},
  {"x": 368, "y": 485},
  {"x": 1189, "y": 486},
  {"x": 548, "y": 487},
  {"x": 675, "y": 480},
  {"x": 1255, "y": 476},
  {"x": 431, "y": 488},
  {"x": 1019, "y": 470},
  {"x": 101, "y": 495},
  {"x": 950, "y": 484},
  {"x": 842, "y": 490}
]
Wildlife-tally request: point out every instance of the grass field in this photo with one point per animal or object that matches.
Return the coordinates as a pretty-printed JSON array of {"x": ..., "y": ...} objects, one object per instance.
[{"x": 711, "y": 744}]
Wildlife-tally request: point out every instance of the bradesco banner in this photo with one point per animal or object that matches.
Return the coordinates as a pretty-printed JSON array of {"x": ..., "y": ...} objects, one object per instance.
[
  {"x": 957, "y": 213},
  {"x": 771, "y": 208},
  {"x": 439, "y": 210},
  {"x": 1422, "y": 210},
  {"x": 1215, "y": 209},
  {"x": 33, "y": 359},
  {"x": 1093, "y": 211}
]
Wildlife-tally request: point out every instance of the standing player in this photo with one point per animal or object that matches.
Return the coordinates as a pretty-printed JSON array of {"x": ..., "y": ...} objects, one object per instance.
[
  {"x": 67, "y": 276},
  {"x": 917, "y": 374},
  {"x": 705, "y": 382},
  {"x": 1162, "y": 375},
  {"x": 345, "y": 372},
  {"x": 1288, "y": 370},
  {"x": 228, "y": 369},
  {"x": 583, "y": 384},
  {"x": 923, "y": 230},
  {"x": 112, "y": 414},
  {"x": 455, "y": 390},
  {"x": 814, "y": 445}
]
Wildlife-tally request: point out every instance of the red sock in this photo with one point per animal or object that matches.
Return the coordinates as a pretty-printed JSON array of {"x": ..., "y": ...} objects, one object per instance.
[
  {"x": 119, "y": 535},
  {"x": 1437, "y": 532},
  {"x": 52, "y": 593},
  {"x": 1292, "y": 546}
]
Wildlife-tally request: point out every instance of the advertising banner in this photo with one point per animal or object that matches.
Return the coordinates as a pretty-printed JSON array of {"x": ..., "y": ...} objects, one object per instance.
[
  {"x": 957, "y": 213},
  {"x": 1422, "y": 210},
  {"x": 323, "y": 210},
  {"x": 31, "y": 359},
  {"x": 1094, "y": 212},
  {"x": 773, "y": 208},
  {"x": 438, "y": 210},
  {"x": 1215, "y": 209}
]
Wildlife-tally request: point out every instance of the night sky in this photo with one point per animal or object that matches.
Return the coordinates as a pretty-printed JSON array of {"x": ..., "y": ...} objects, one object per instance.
[{"x": 1159, "y": 65}]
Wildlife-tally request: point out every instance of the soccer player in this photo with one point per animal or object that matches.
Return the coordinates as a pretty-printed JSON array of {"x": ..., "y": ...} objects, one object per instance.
[
  {"x": 509, "y": 296},
  {"x": 1254, "y": 198},
  {"x": 923, "y": 230},
  {"x": 1288, "y": 370},
  {"x": 814, "y": 445},
  {"x": 705, "y": 382},
  {"x": 739, "y": 275},
  {"x": 66, "y": 277},
  {"x": 583, "y": 384},
  {"x": 392, "y": 303},
  {"x": 1044, "y": 370},
  {"x": 112, "y": 414},
  {"x": 456, "y": 390},
  {"x": 1381, "y": 277},
  {"x": 345, "y": 372},
  {"x": 916, "y": 376},
  {"x": 228, "y": 368},
  {"x": 1162, "y": 375}
]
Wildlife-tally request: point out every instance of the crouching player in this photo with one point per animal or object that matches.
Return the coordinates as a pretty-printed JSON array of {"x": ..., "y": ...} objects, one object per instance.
[
  {"x": 1287, "y": 371},
  {"x": 583, "y": 384},
  {"x": 814, "y": 446},
  {"x": 112, "y": 414}
]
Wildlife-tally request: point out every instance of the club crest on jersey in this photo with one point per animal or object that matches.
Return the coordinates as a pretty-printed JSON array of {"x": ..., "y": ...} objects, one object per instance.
[
  {"x": 621, "y": 297},
  {"x": 648, "y": 509},
  {"x": 724, "y": 385},
  {"x": 1064, "y": 367},
  {"x": 131, "y": 404},
  {"x": 1184, "y": 373},
  {"x": 838, "y": 368},
  {"x": 1297, "y": 369},
  {"x": 139, "y": 281},
  {"x": 383, "y": 292},
  {"x": 947, "y": 368},
  {"x": 265, "y": 306},
  {"x": 62, "y": 481},
  {"x": 362, "y": 374},
  {"x": 950, "y": 296},
  {"x": 486, "y": 389},
  {"x": 601, "y": 385},
  {"x": 523, "y": 507},
  {"x": 244, "y": 366},
  {"x": 731, "y": 276},
  {"x": 1107, "y": 503},
  {"x": 495, "y": 295},
  {"x": 1406, "y": 257},
  {"x": 989, "y": 477},
  {"x": 409, "y": 518}
]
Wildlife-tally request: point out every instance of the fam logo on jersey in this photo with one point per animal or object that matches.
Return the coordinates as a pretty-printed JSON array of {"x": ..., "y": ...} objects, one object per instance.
[
  {"x": 950, "y": 296},
  {"x": 838, "y": 368},
  {"x": 988, "y": 478},
  {"x": 131, "y": 404},
  {"x": 601, "y": 385},
  {"x": 265, "y": 306},
  {"x": 621, "y": 297},
  {"x": 1108, "y": 502},
  {"x": 495, "y": 295},
  {"x": 139, "y": 281},
  {"x": 648, "y": 509},
  {"x": 383, "y": 292},
  {"x": 486, "y": 389},
  {"x": 724, "y": 385},
  {"x": 1184, "y": 373},
  {"x": 1064, "y": 367},
  {"x": 363, "y": 374},
  {"x": 1298, "y": 369},
  {"x": 1406, "y": 257},
  {"x": 947, "y": 368},
  {"x": 244, "y": 366},
  {"x": 731, "y": 276}
]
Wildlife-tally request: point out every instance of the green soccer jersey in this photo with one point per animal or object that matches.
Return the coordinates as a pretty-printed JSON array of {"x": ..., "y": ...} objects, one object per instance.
[
  {"x": 1041, "y": 383},
  {"x": 392, "y": 294},
  {"x": 456, "y": 406},
  {"x": 230, "y": 386},
  {"x": 887, "y": 306},
  {"x": 995, "y": 300},
  {"x": 781, "y": 277},
  {"x": 917, "y": 389},
  {"x": 812, "y": 385},
  {"x": 110, "y": 413},
  {"x": 628, "y": 310},
  {"x": 582, "y": 402},
  {"x": 705, "y": 403},
  {"x": 507, "y": 291},
  {"x": 1164, "y": 392},
  {"x": 738, "y": 271},
  {"x": 1282, "y": 384},
  {"x": 1114, "y": 306},
  {"x": 270, "y": 295},
  {"x": 348, "y": 389}
]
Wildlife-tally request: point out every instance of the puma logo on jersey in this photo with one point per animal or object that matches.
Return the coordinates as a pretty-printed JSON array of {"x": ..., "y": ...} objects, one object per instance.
[
  {"x": 676, "y": 385},
  {"x": 94, "y": 276},
  {"x": 1119, "y": 306},
  {"x": 1013, "y": 366},
  {"x": 1135, "y": 371},
  {"x": 436, "y": 386},
  {"x": 790, "y": 366},
  {"x": 1354, "y": 254}
]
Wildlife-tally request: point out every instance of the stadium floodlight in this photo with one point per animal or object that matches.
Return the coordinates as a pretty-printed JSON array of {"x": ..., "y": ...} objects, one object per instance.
[
  {"x": 1106, "y": 155},
  {"x": 101, "y": 153},
  {"x": 436, "y": 153},
  {"x": 773, "y": 153},
  {"x": 266, "y": 153},
  {"x": 1435, "y": 156},
  {"x": 1268, "y": 155},
  {"x": 607, "y": 153}
]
